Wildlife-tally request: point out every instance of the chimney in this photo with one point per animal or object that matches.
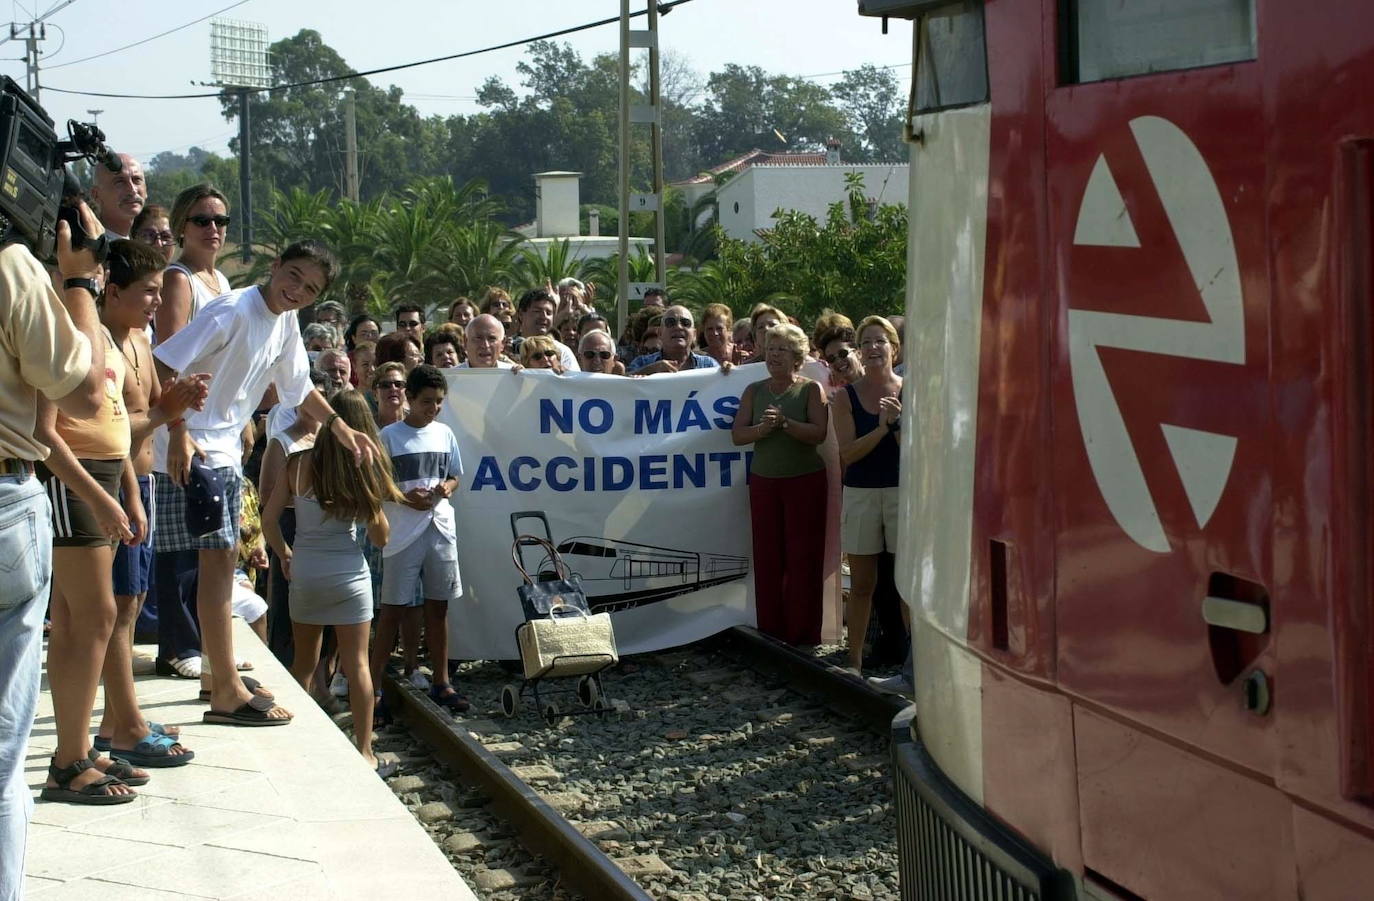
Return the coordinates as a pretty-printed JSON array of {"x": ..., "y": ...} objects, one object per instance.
[
  {"x": 594, "y": 222},
  {"x": 832, "y": 152},
  {"x": 556, "y": 204}
]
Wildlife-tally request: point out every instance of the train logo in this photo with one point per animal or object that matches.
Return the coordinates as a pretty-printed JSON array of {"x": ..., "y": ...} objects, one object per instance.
[
  {"x": 1193, "y": 206},
  {"x": 620, "y": 575}
]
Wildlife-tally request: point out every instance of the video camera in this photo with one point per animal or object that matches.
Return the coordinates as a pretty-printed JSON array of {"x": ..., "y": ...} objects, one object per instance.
[{"x": 35, "y": 187}]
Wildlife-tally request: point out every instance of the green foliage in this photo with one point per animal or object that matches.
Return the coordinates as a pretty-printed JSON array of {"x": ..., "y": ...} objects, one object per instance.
[{"x": 854, "y": 262}]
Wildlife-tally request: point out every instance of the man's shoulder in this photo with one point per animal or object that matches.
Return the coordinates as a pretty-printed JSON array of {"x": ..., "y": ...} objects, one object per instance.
[
  {"x": 17, "y": 260},
  {"x": 643, "y": 360},
  {"x": 705, "y": 361}
]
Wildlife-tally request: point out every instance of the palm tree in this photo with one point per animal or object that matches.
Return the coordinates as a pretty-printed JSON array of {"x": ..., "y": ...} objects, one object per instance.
[
  {"x": 481, "y": 254},
  {"x": 554, "y": 264}
]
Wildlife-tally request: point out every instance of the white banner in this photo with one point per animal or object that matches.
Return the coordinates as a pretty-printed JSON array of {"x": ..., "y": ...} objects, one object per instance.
[{"x": 635, "y": 481}]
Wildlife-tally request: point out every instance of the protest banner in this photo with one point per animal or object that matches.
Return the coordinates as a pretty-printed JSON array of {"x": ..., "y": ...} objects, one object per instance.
[{"x": 635, "y": 481}]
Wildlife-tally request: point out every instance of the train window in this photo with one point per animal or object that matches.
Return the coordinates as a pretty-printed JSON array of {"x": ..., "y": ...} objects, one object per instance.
[
  {"x": 1104, "y": 39},
  {"x": 951, "y": 58}
]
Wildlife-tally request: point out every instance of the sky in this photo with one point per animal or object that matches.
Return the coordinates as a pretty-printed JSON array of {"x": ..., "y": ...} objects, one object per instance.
[{"x": 813, "y": 38}]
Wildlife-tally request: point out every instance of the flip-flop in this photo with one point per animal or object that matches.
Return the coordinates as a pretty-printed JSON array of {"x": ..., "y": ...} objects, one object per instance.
[
  {"x": 102, "y": 743},
  {"x": 387, "y": 769},
  {"x": 121, "y": 771},
  {"x": 254, "y": 713},
  {"x": 154, "y": 752},
  {"x": 249, "y": 683},
  {"x": 182, "y": 667},
  {"x": 449, "y": 699},
  {"x": 242, "y": 665}
]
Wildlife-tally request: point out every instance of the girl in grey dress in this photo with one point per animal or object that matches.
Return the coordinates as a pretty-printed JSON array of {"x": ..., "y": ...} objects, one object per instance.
[{"x": 336, "y": 500}]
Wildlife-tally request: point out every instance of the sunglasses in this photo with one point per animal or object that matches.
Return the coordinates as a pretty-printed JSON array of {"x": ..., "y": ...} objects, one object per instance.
[
  {"x": 385, "y": 385},
  {"x": 203, "y": 221},
  {"x": 407, "y": 323},
  {"x": 546, "y": 354},
  {"x": 597, "y": 354},
  {"x": 832, "y": 359},
  {"x": 157, "y": 237},
  {"x": 674, "y": 321}
]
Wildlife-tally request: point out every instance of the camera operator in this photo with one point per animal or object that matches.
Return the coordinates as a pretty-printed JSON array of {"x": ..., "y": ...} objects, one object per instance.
[{"x": 50, "y": 344}]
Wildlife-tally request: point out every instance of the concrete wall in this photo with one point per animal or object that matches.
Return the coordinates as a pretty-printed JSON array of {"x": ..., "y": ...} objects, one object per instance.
[{"x": 760, "y": 190}]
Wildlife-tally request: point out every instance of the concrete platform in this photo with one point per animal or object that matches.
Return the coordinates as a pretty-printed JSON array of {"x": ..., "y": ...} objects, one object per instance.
[{"x": 280, "y": 812}]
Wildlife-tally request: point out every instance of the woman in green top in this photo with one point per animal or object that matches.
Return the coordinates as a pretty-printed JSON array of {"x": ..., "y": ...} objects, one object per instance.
[{"x": 785, "y": 417}]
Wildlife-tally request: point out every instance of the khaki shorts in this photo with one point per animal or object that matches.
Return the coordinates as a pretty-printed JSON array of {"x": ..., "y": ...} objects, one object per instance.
[{"x": 868, "y": 524}]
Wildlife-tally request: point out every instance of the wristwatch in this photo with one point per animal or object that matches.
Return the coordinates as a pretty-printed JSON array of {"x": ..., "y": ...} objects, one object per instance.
[{"x": 89, "y": 284}]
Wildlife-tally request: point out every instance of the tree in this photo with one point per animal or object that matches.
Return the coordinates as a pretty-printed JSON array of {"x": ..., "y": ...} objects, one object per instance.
[
  {"x": 854, "y": 262},
  {"x": 746, "y": 108},
  {"x": 873, "y": 107}
]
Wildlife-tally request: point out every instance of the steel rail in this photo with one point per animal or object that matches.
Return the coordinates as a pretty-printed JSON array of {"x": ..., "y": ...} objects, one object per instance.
[
  {"x": 583, "y": 866},
  {"x": 836, "y": 687}
]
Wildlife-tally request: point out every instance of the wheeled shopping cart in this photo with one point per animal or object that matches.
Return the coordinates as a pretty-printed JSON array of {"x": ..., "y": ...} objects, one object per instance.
[{"x": 560, "y": 639}]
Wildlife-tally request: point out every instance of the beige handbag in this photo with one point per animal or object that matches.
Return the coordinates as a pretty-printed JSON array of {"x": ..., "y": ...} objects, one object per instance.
[{"x": 569, "y": 642}]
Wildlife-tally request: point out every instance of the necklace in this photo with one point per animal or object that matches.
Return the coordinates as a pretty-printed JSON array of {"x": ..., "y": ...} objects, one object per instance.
[
  {"x": 133, "y": 361},
  {"x": 209, "y": 280}
]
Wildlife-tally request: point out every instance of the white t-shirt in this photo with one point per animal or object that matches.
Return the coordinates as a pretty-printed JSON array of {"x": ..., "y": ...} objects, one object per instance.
[
  {"x": 420, "y": 458},
  {"x": 245, "y": 347},
  {"x": 500, "y": 364}
]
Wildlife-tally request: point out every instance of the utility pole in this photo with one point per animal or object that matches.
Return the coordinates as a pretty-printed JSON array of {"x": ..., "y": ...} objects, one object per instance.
[
  {"x": 95, "y": 115},
  {"x": 245, "y": 176},
  {"x": 650, "y": 114},
  {"x": 351, "y": 185},
  {"x": 32, "y": 33}
]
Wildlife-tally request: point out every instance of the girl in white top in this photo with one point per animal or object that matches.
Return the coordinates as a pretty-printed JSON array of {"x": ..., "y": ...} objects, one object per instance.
[{"x": 200, "y": 221}]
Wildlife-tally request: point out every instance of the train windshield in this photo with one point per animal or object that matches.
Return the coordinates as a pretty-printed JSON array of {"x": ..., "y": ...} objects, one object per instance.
[
  {"x": 951, "y": 58},
  {"x": 582, "y": 548},
  {"x": 1109, "y": 39}
]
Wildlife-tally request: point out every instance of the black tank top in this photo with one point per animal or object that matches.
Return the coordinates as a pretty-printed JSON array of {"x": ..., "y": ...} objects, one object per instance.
[{"x": 881, "y": 467}]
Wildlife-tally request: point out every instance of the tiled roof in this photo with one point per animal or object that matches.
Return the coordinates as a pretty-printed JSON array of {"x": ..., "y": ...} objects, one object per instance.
[{"x": 755, "y": 157}]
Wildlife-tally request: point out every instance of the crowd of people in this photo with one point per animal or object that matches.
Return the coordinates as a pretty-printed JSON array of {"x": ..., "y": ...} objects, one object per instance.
[{"x": 181, "y": 452}]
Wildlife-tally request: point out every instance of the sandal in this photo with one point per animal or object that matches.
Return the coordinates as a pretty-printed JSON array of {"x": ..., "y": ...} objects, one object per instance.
[
  {"x": 254, "y": 713},
  {"x": 121, "y": 771},
  {"x": 445, "y": 696},
  {"x": 242, "y": 665},
  {"x": 95, "y": 793},
  {"x": 182, "y": 667},
  {"x": 154, "y": 752},
  {"x": 249, "y": 683},
  {"x": 387, "y": 769},
  {"x": 102, "y": 743}
]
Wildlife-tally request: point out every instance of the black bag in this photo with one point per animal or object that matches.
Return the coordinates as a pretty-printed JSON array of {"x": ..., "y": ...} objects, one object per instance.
[{"x": 539, "y": 598}]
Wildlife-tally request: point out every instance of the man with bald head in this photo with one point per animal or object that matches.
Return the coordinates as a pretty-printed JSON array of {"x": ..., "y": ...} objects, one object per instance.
[
  {"x": 679, "y": 335},
  {"x": 597, "y": 352},
  {"x": 119, "y": 196},
  {"x": 483, "y": 341}
]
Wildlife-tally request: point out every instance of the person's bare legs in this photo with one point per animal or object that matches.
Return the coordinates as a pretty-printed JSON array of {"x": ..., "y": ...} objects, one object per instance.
[
  {"x": 863, "y": 579},
  {"x": 306, "y": 638},
  {"x": 259, "y": 627},
  {"x": 436, "y": 639},
  {"x": 83, "y": 617},
  {"x": 388, "y": 624},
  {"x": 123, "y": 721},
  {"x": 354, "y": 663},
  {"x": 410, "y": 638},
  {"x": 227, "y": 692}
]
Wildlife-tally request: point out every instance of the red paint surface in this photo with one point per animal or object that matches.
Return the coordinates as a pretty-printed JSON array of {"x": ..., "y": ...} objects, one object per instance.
[{"x": 1175, "y": 778}]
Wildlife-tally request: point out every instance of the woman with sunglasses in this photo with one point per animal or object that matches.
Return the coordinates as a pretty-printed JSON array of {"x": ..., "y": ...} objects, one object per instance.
[
  {"x": 868, "y": 414},
  {"x": 541, "y": 352},
  {"x": 153, "y": 226},
  {"x": 200, "y": 221}
]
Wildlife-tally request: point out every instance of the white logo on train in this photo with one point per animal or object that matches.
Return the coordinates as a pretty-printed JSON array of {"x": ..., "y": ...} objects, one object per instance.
[{"x": 1195, "y": 212}]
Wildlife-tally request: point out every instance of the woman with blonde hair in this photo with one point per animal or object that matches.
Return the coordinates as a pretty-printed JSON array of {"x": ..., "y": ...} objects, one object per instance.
[
  {"x": 389, "y": 388},
  {"x": 762, "y": 318},
  {"x": 786, "y": 419},
  {"x": 335, "y": 498},
  {"x": 717, "y": 333},
  {"x": 541, "y": 352},
  {"x": 868, "y": 414}
]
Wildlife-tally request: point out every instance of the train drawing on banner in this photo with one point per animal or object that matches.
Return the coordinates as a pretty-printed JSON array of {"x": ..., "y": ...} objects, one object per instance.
[
  {"x": 1138, "y": 531},
  {"x": 617, "y": 574}
]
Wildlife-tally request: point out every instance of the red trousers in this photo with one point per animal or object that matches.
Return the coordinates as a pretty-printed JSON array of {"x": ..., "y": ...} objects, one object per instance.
[{"x": 789, "y": 517}]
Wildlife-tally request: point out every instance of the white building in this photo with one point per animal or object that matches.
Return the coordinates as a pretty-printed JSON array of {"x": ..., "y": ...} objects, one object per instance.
[
  {"x": 747, "y": 202},
  {"x": 557, "y": 203}
]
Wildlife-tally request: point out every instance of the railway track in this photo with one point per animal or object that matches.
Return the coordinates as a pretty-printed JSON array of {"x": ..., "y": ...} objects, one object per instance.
[{"x": 733, "y": 768}]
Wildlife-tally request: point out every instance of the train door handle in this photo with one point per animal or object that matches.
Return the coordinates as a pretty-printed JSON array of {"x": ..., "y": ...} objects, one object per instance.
[{"x": 1242, "y": 616}]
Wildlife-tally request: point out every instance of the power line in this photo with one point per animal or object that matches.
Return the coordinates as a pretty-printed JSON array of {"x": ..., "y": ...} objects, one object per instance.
[
  {"x": 86, "y": 59},
  {"x": 662, "y": 8}
]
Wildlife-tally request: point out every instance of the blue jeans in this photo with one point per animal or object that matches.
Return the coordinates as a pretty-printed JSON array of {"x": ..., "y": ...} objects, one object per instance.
[{"x": 25, "y": 574}]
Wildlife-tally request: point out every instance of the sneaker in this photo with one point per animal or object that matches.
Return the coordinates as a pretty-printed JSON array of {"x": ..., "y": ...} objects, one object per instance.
[
  {"x": 419, "y": 680},
  {"x": 338, "y": 686},
  {"x": 894, "y": 685}
]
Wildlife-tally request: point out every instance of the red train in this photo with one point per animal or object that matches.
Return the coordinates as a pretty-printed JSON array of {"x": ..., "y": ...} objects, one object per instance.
[{"x": 1140, "y": 454}]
